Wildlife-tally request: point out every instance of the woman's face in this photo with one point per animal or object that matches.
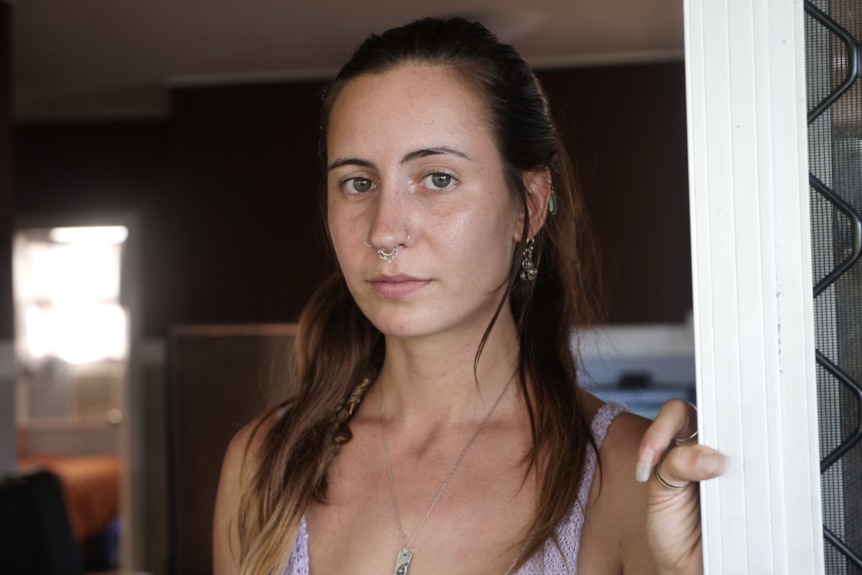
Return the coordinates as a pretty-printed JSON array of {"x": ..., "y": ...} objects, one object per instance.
[{"x": 412, "y": 162}]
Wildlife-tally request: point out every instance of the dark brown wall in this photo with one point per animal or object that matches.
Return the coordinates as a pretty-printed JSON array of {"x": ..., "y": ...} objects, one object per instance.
[
  {"x": 627, "y": 132},
  {"x": 226, "y": 192},
  {"x": 250, "y": 244},
  {"x": 6, "y": 173}
]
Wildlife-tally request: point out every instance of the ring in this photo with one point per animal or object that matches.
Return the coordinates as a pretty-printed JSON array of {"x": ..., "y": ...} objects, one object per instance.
[
  {"x": 693, "y": 436},
  {"x": 681, "y": 440},
  {"x": 388, "y": 256},
  {"x": 667, "y": 484}
]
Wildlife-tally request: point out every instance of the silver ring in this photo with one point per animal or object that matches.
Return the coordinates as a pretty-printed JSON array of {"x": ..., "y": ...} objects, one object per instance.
[
  {"x": 683, "y": 440},
  {"x": 384, "y": 255},
  {"x": 693, "y": 436},
  {"x": 667, "y": 484},
  {"x": 388, "y": 256}
]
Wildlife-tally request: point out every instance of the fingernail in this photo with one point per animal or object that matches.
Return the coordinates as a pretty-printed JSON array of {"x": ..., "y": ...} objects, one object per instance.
[
  {"x": 644, "y": 464},
  {"x": 712, "y": 463}
]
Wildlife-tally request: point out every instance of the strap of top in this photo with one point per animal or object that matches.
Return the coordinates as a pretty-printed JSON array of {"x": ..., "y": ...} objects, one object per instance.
[{"x": 564, "y": 560}]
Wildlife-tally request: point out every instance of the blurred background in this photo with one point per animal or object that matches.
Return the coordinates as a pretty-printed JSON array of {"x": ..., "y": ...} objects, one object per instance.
[{"x": 158, "y": 189}]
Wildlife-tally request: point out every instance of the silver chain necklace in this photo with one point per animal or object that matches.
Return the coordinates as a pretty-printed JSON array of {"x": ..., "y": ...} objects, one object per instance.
[{"x": 402, "y": 561}]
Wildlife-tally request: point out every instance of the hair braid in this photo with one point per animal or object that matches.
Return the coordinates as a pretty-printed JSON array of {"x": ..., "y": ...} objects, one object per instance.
[{"x": 345, "y": 412}]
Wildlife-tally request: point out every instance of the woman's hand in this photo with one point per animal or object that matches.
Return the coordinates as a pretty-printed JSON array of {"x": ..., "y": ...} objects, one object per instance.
[{"x": 671, "y": 460}]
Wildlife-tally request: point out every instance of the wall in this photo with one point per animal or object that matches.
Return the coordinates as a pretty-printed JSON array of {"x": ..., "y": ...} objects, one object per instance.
[
  {"x": 7, "y": 365},
  {"x": 627, "y": 133}
]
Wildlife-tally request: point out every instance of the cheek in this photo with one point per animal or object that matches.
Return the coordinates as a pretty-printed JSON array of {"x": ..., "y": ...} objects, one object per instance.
[
  {"x": 484, "y": 238},
  {"x": 342, "y": 240}
]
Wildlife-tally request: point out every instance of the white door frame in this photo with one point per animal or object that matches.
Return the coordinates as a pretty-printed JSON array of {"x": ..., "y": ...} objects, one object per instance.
[{"x": 751, "y": 271}]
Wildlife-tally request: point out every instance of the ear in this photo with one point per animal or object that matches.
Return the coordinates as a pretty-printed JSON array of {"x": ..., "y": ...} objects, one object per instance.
[{"x": 538, "y": 185}]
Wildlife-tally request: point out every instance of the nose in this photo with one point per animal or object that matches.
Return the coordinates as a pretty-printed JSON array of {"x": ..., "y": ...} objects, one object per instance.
[{"x": 389, "y": 226}]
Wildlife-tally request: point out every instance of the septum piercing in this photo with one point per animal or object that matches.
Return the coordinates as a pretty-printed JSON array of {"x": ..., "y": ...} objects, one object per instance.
[
  {"x": 388, "y": 256},
  {"x": 383, "y": 254}
]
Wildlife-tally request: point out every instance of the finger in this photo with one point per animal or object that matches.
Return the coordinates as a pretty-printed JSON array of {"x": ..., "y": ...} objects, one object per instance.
[
  {"x": 677, "y": 419},
  {"x": 692, "y": 463},
  {"x": 669, "y": 484}
]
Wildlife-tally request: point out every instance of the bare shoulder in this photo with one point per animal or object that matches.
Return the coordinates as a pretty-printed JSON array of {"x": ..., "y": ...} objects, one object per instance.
[
  {"x": 244, "y": 444},
  {"x": 616, "y": 517},
  {"x": 620, "y": 449}
]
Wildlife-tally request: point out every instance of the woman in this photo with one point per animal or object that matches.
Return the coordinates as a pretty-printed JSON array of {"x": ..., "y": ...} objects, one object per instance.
[{"x": 439, "y": 426}]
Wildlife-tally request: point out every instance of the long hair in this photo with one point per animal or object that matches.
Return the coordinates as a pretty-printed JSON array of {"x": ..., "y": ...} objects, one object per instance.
[{"x": 338, "y": 348}]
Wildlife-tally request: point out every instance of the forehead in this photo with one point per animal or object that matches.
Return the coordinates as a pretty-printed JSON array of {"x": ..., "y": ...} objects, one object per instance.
[{"x": 407, "y": 101}]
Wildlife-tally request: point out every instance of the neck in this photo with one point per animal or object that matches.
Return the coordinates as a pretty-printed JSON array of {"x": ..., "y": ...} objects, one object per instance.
[{"x": 442, "y": 383}]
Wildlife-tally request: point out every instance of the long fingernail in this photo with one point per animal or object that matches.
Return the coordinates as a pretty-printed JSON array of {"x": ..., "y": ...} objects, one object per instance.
[
  {"x": 644, "y": 464},
  {"x": 712, "y": 463}
]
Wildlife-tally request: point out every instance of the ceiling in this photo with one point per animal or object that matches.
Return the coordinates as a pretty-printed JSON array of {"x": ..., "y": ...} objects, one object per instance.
[{"x": 103, "y": 58}]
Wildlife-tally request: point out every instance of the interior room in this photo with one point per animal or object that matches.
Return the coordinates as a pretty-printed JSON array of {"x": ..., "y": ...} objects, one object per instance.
[{"x": 192, "y": 127}]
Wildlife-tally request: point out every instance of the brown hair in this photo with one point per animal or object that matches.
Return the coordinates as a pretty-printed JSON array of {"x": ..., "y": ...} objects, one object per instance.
[{"x": 337, "y": 347}]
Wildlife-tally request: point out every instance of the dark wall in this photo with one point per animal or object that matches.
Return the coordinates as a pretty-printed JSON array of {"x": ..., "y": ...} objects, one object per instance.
[
  {"x": 225, "y": 192},
  {"x": 250, "y": 247},
  {"x": 627, "y": 132},
  {"x": 6, "y": 172}
]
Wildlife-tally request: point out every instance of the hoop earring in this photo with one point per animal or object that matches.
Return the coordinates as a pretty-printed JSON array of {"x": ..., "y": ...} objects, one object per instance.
[{"x": 528, "y": 268}]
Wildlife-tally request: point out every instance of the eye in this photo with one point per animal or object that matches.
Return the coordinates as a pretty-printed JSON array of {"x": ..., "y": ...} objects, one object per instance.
[
  {"x": 359, "y": 185},
  {"x": 439, "y": 180}
]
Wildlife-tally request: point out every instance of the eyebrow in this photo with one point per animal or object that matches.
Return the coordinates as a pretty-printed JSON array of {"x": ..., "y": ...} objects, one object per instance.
[
  {"x": 408, "y": 157},
  {"x": 349, "y": 162},
  {"x": 436, "y": 151}
]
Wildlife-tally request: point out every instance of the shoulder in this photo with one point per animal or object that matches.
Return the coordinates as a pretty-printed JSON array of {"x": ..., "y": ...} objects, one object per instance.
[
  {"x": 244, "y": 445},
  {"x": 620, "y": 447},
  {"x": 616, "y": 516}
]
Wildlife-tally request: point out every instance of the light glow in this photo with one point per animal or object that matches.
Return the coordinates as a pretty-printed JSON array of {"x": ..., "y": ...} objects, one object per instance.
[
  {"x": 67, "y": 291},
  {"x": 101, "y": 235}
]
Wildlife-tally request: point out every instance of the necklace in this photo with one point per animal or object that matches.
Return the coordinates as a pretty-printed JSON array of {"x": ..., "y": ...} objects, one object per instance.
[{"x": 402, "y": 561}]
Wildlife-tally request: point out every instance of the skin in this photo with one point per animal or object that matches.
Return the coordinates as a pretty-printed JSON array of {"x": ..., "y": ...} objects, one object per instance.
[{"x": 412, "y": 163}]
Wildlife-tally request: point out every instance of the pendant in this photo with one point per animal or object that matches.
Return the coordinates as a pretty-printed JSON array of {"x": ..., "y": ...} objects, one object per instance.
[{"x": 402, "y": 563}]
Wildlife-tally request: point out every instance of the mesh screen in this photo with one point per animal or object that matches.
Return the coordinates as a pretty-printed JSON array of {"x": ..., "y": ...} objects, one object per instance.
[{"x": 834, "y": 89}]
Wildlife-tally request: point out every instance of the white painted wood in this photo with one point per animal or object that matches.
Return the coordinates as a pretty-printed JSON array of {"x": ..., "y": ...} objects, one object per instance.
[{"x": 754, "y": 335}]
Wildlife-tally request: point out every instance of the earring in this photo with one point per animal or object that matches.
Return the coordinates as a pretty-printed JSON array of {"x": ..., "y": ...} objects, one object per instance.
[
  {"x": 552, "y": 202},
  {"x": 528, "y": 268}
]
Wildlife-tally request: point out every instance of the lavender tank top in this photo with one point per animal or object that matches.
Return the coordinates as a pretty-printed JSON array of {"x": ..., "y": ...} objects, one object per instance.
[{"x": 557, "y": 561}]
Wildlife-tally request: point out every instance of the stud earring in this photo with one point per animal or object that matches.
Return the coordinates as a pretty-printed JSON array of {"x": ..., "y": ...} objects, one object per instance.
[{"x": 528, "y": 268}]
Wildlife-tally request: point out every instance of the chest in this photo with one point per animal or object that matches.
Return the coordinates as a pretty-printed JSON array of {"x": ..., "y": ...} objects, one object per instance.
[{"x": 472, "y": 526}]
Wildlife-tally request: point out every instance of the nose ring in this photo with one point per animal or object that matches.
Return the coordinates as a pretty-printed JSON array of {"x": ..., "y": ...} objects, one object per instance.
[
  {"x": 384, "y": 255},
  {"x": 388, "y": 256},
  {"x": 381, "y": 253}
]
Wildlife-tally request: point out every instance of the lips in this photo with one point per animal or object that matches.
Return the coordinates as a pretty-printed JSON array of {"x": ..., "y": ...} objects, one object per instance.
[{"x": 397, "y": 286}]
